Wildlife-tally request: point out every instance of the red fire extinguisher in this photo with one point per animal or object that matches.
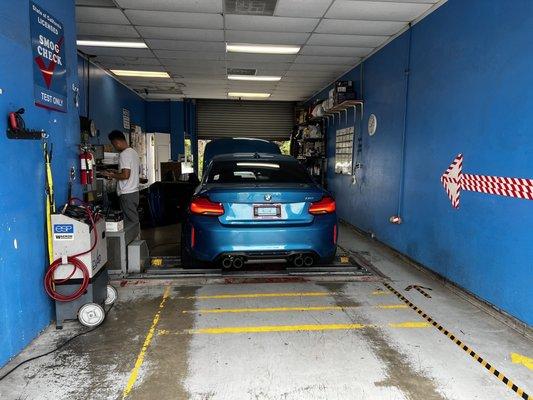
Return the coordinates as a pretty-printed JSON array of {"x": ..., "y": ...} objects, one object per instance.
[{"x": 86, "y": 167}]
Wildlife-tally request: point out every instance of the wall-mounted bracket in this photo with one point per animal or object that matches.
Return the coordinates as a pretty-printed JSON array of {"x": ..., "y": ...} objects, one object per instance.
[{"x": 25, "y": 134}]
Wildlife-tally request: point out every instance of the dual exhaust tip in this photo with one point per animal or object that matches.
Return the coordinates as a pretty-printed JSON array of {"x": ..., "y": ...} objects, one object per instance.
[
  {"x": 237, "y": 262},
  {"x": 303, "y": 260},
  {"x": 232, "y": 262}
]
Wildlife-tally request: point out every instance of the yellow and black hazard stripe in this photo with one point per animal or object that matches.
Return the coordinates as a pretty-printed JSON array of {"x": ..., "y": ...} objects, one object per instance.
[
  {"x": 508, "y": 382},
  {"x": 423, "y": 292}
]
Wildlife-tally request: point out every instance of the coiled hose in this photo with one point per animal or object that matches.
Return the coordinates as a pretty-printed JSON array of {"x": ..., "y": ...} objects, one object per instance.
[{"x": 77, "y": 264}]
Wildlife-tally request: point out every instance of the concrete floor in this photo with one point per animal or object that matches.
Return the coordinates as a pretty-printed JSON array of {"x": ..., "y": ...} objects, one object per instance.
[
  {"x": 163, "y": 240},
  {"x": 286, "y": 340}
]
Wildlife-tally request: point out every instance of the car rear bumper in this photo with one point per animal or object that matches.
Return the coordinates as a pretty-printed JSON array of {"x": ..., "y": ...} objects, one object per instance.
[{"x": 213, "y": 240}]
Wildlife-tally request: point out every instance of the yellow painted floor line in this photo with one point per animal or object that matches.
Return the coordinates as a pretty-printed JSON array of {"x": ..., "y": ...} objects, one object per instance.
[
  {"x": 149, "y": 336},
  {"x": 391, "y": 306},
  {"x": 284, "y": 309},
  {"x": 380, "y": 293},
  {"x": 258, "y": 295},
  {"x": 263, "y": 309},
  {"x": 288, "y": 328}
]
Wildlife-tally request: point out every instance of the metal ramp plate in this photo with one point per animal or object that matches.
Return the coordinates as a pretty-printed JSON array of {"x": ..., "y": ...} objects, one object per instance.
[{"x": 346, "y": 265}]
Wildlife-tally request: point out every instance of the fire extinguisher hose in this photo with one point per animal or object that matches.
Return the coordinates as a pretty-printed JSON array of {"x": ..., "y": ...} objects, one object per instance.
[{"x": 77, "y": 264}]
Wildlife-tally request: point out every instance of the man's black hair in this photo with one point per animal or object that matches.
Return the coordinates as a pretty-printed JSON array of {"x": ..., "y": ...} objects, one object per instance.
[{"x": 116, "y": 135}]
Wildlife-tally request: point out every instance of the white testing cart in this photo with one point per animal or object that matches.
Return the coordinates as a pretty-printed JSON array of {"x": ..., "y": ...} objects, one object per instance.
[{"x": 73, "y": 234}]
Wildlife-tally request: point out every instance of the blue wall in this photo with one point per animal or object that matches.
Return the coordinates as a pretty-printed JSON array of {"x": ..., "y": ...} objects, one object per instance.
[
  {"x": 167, "y": 117},
  {"x": 107, "y": 97},
  {"x": 24, "y": 307},
  {"x": 470, "y": 92}
]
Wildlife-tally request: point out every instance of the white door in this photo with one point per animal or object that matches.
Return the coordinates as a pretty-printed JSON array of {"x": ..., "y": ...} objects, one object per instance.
[{"x": 162, "y": 152}]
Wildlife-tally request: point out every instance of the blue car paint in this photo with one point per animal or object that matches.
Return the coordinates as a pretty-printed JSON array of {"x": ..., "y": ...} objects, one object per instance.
[
  {"x": 238, "y": 145},
  {"x": 237, "y": 231}
]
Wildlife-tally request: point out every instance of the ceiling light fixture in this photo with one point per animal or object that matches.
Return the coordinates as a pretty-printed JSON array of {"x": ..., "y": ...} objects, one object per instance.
[
  {"x": 249, "y": 95},
  {"x": 104, "y": 43},
  {"x": 261, "y": 48},
  {"x": 140, "y": 74},
  {"x": 262, "y": 78}
]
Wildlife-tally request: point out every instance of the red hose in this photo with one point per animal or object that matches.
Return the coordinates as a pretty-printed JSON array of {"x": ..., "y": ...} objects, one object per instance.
[{"x": 49, "y": 282}]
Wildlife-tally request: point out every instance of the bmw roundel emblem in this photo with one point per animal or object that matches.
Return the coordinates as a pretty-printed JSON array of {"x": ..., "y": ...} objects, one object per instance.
[{"x": 268, "y": 197}]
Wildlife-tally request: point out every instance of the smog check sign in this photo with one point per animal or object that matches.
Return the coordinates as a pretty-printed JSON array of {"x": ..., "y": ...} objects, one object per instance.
[{"x": 48, "y": 58}]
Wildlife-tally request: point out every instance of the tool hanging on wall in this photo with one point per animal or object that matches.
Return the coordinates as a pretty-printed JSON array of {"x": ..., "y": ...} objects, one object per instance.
[
  {"x": 50, "y": 205},
  {"x": 16, "y": 127},
  {"x": 71, "y": 179}
]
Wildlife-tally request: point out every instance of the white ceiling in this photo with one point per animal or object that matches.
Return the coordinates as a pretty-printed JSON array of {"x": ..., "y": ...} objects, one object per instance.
[{"x": 186, "y": 39}]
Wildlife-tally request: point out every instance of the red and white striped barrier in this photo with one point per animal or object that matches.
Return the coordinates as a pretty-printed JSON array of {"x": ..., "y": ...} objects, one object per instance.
[{"x": 454, "y": 181}]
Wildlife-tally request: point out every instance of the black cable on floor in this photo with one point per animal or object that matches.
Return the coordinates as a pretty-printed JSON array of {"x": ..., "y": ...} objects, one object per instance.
[{"x": 54, "y": 350}]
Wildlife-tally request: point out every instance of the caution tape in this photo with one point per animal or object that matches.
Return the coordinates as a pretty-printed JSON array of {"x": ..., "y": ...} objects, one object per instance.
[
  {"x": 420, "y": 289},
  {"x": 508, "y": 382}
]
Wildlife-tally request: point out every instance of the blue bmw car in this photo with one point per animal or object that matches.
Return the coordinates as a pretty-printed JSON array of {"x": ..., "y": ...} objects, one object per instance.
[{"x": 258, "y": 206}]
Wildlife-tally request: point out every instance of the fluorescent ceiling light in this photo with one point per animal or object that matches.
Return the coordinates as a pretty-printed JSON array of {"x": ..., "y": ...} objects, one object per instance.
[
  {"x": 141, "y": 74},
  {"x": 249, "y": 94},
  {"x": 262, "y": 78},
  {"x": 261, "y": 48},
  {"x": 104, "y": 43}
]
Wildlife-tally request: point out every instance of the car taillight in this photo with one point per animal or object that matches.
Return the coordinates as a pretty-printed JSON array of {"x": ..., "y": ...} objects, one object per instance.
[
  {"x": 204, "y": 206},
  {"x": 325, "y": 206}
]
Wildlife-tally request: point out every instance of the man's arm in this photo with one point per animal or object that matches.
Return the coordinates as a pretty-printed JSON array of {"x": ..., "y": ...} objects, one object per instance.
[{"x": 123, "y": 175}]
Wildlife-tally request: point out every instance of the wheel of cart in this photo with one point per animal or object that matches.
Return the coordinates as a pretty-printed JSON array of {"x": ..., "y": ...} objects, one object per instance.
[
  {"x": 112, "y": 295},
  {"x": 91, "y": 315}
]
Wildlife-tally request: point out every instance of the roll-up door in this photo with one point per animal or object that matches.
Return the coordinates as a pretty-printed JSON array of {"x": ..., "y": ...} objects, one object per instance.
[{"x": 271, "y": 120}]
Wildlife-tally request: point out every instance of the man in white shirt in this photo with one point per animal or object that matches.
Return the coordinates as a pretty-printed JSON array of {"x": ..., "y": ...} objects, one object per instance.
[{"x": 127, "y": 177}]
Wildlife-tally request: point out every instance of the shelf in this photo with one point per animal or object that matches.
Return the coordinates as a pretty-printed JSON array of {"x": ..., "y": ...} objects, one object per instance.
[{"x": 343, "y": 107}]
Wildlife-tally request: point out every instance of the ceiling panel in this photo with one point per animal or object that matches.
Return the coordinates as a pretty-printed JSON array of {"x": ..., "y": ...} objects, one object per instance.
[
  {"x": 180, "y": 69},
  {"x": 101, "y": 15},
  {"x": 346, "y": 40},
  {"x": 302, "y": 8},
  {"x": 208, "y": 35},
  {"x": 190, "y": 55},
  {"x": 310, "y": 74},
  {"x": 261, "y": 66},
  {"x": 175, "y": 19},
  {"x": 377, "y": 10},
  {"x": 118, "y": 31},
  {"x": 351, "y": 27},
  {"x": 128, "y": 60},
  {"x": 110, "y": 51},
  {"x": 207, "y": 6},
  {"x": 266, "y": 37},
  {"x": 335, "y": 51},
  {"x": 200, "y": 64},
  {"x": 259, "y": 58},
  {"x": 270, "y": 24},
  {"x": 186, "y": 38},
  {"x": 326, "y": 60},
  {"x": 328, "y": 68},
  {"x": 302, "y": 79}
]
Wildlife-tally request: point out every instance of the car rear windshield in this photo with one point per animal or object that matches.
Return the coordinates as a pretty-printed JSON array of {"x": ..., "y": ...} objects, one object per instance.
[{"x": 258, "y": 172}]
